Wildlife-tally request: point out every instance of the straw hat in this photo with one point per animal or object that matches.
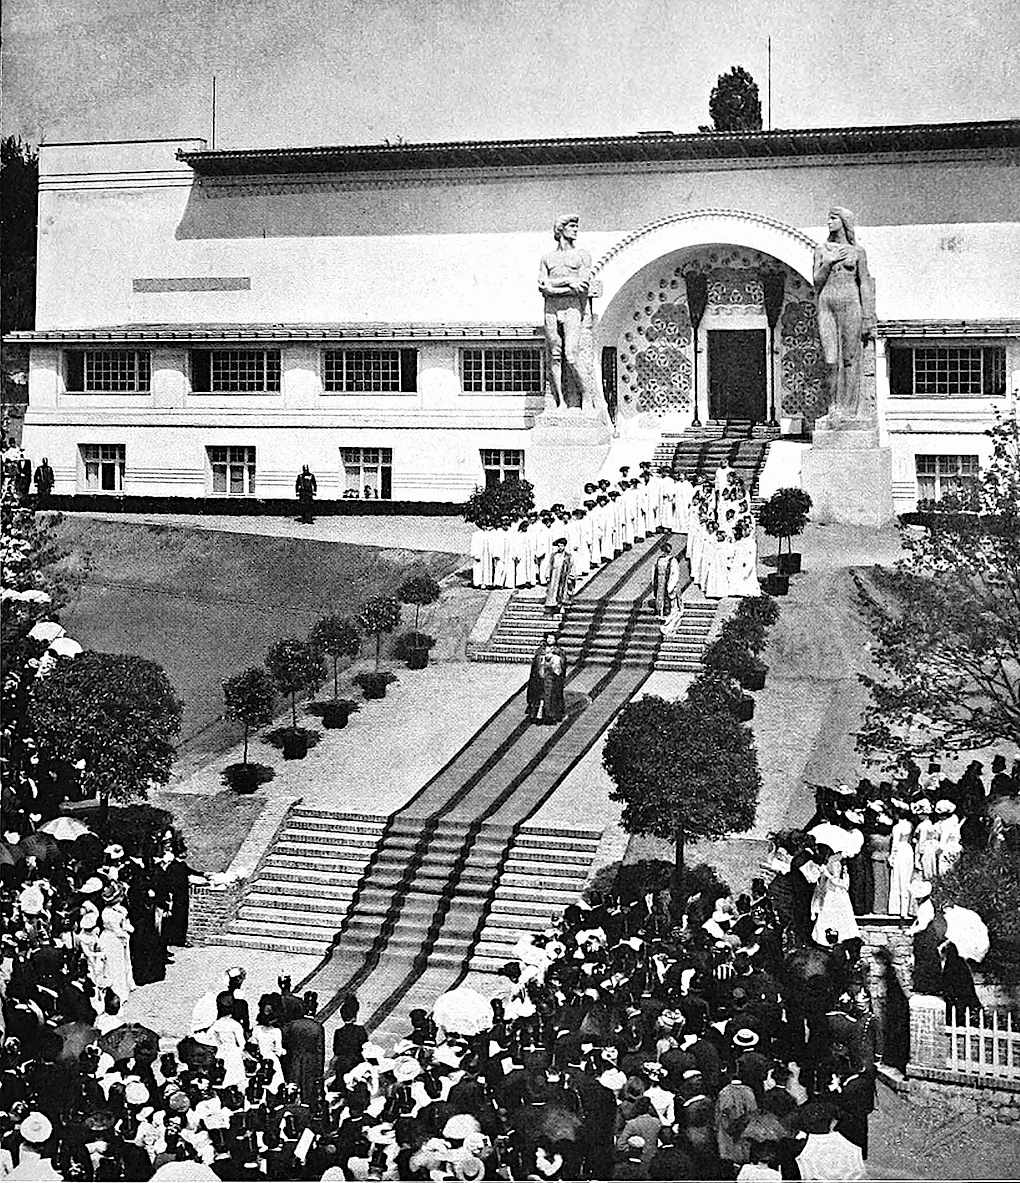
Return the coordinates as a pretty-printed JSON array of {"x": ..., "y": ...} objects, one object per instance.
[{"x": 36, "y": 1128}]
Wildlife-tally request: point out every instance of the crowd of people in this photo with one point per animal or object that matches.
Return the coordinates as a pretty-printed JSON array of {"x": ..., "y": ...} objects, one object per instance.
[
  {"x": 722, "y": 546},
  {"x": 519, "y": 552}
]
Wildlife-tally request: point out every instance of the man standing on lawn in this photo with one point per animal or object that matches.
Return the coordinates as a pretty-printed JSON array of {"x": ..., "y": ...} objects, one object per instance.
[{"x": 305, "y": 488}]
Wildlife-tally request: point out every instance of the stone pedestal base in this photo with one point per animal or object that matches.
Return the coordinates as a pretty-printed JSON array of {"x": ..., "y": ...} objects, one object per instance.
[
  {"x": 849, "y": 477},
  {"x": 565, "y": 451}
]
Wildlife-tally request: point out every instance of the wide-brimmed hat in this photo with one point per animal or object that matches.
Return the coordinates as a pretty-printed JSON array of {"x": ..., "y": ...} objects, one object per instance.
[
  {"x": 135, "y": 1093},
  {"x": 114, "y": 851},
  {"x": 920, "y": 889},
  {"x": 36, "y": 1127},
  {"x": 179, "y": 1102},
  {"x": 459, "y": 1126},
  {"x": 746, "y": 1039},
  {"x": 945, "y": 806},
  {"x": 113, "y": 893},
  {"x": 406, "y": 1069},
  {"x": 469, "y": 1167},
  {"x": 91, "y": 885}
]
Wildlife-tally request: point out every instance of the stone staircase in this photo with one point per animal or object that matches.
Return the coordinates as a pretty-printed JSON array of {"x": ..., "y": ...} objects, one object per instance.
[{"x": 699, "y": 451}]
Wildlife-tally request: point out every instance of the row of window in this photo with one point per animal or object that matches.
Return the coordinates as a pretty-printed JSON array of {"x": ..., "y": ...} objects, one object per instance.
[
  {"x": 947, "y": 370},
  {"x": 499, "y": 370},
  {"x": 367, "y": 473}
]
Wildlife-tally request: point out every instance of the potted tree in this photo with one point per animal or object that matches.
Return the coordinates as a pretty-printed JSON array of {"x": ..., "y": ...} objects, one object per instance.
[
  {"x": 249, "y": 697},
  {"x": 337, "y": 637},
  {"x": 419, "y": 590},
  {"x": 296, "y": 667},
  {"x": 784, "y": 516},
  {"x": 731, "y": 655},
  {"x": 378, "y": 616}
]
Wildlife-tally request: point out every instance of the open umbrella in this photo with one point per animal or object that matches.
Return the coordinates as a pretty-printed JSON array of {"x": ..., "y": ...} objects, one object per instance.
[
  {"x": 44, "y": 847},
  {"x": 185, "y": 1172},
  {"x": 967, "y": 931},
  {"x": 76, "y": 1036},
  {"x": 46, "y": 630},
  {"x": 122, "y": 1042},
  {"x": 65, "y": 647},
  {"x": 64, "y": 829},
  {"x": 463, "y": 1010},
  {"x": 845, "y": 842},
  {"x": 10, "y": 855}
]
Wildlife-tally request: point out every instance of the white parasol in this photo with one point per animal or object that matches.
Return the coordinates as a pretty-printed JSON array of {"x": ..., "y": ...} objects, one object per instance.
[
  {"x": 845, "y": 842},
  {"x": 46, "y": 630},
  {"x": 967, "y": 931},
  {"x": 65, "y": 647},
  {"x": 463, "y": 1010},
  {"x": 185, "y": 1172},
  {"x": 65, "y": 829}
]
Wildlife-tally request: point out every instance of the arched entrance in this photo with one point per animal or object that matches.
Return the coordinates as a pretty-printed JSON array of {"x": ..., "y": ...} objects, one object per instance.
[{"x": 658, "y": 373}]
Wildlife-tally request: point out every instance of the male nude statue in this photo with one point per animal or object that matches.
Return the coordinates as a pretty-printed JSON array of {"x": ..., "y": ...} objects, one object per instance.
[{"x": 564, "y": 279}]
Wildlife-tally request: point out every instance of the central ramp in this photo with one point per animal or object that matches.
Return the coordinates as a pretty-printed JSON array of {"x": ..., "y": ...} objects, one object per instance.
[{"x": 420, "y": 907}]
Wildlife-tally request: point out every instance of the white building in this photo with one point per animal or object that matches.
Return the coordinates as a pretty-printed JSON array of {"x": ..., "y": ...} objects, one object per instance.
[{"x": 207, "y": 321}]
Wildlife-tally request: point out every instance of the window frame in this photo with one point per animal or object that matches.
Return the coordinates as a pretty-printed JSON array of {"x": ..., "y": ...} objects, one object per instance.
[
  {"x": 263, "y": 392},
  {"x": 249, "y": 468},
  {"x": 958, "y": 479},
  {"x": 384, "y": 466},
  {"x": 120, "y": 469},
  {"x": 503, "y": 468},
  {"x": 407, "y": 363},
  {"x": 904, "y": 371},
  {"x": 485, "y": 348},
  {"x": 143, "y": 381}
]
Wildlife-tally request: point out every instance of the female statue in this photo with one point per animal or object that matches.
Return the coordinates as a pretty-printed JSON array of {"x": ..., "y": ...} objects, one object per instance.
[{"x": 846, "y": 316}]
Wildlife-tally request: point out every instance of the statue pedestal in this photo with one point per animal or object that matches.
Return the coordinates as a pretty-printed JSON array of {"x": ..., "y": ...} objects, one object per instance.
[
  {"x": 565, "y": 451},
  {"x": 848, "y": 476}
]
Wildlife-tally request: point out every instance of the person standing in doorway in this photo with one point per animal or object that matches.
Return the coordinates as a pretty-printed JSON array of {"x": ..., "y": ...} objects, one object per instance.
[{"x": 305, "y": 488}]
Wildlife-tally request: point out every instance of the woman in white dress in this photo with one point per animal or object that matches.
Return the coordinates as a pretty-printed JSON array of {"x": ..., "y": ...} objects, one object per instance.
[
  {"x": 901, "y": 866},
  {"x": 950, "y": 846},
  {"x": 269, "y": 1040},
  {"x": 228, "y": 1037},
  {"x": 926, "y": 840},
  {"x": 86, "y": 937},
  {"x": 831, "y": 906},
  {"x": 114, "y": 942}
]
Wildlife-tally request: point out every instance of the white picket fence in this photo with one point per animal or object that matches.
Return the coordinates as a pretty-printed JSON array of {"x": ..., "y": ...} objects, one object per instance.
[{"x": 984, "y": 1044}]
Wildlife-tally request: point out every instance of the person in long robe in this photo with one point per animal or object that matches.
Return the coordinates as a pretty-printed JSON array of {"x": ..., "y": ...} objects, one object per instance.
[
  {"x": 578, "y": 532},
  {"x": 545, "y": 700},
  {"x": 606, "y": 518},
  {"x": 114, "y": 943},
  {"x": 592, "y": 534},
  {"x": 682, "y": 495},
  {"x": 667, "y": 500},
  {"x": 304, "y": 1041},
  {"x": 628, "y": 512},
  {"x": 616, "y": 518},
  {"x": 560, "y": 576},
  {"x": 901, "y": 866},
  {"x": 539, "y": 544},
  {"x": 545, "y": 566},
  {"x": 649, "y": 491},
  {"x": 640, "y": 511},
  {"x": 481, "y": 557},
  {"x": 831, "y": 907},
  {"x": 174, "y": 885},
  {"x": 148, "y": 951},
  {"x": 949, "y": 845},
  {"x": 524, "y": 564}
]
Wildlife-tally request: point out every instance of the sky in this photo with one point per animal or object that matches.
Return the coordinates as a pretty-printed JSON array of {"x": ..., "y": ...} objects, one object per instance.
[{"x": 300, "y": 72}]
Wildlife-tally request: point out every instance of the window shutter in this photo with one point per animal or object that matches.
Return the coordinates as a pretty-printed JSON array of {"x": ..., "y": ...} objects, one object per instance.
[
  {"x": 408, "y": 371},
  {"x": 993, "y": 364},
  {"x": 200, "y": 370},
  {"x": 74, "y": 369},
  {"x": 901, "y": 369}
]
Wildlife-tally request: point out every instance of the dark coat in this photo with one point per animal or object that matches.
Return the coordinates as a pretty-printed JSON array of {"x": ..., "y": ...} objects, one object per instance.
[
  {"x": 305, "y": 1063},
  {"x": 348, "y": 1040}
]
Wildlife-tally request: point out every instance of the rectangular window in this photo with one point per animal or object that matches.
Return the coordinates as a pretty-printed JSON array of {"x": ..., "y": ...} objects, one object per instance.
[
  {"x": 233, "y": 471},
  {"x": 102, "y": 371},
  {"x": 102, "y": 468},
  {"x": 235, "y": 371},
  {"x": 947, "y": 370},
  {"x": 370, "y": 371},
  {"x": 367, "y": 473},
  {"x": 501, "y": 370},
  {"x": 502, "y": 464},
  {"x": 939, "y": 475}
]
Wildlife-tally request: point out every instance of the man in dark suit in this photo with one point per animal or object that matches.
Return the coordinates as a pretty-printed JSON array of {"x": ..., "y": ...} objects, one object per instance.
[
  {"x": 349, "y": 1038},
  {"x": 305, "y": 489},
  {"x": 44, "y": 481},
  {"x": 305, "y": 1042}
]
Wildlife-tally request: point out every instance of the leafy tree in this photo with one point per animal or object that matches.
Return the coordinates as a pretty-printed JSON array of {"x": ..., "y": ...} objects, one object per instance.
[
  {"x": 337, "y": 637},
  {"x": 988, "y": 882},
  {"x": 734, "y": 104},
  {"x": 946, "y": 621},
  {"x": 682, "y": 772},
  {"x": 19, "y": 184},
  {"x": 117, "y": 713},
  {"x": 785, "y": 515},
  {"x": 378, "y": 616},
  {"x": 250, "y": 697},
  {"x": 296, "y": 667},
  {"x": 418, "y": 590},
  {"x": 505, "y": 499}
]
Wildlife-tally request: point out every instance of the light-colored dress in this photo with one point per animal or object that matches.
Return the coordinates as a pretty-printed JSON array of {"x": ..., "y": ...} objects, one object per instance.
[
  {"x": 950, "y": 846},
  {"x": 901, "y": 869},
  {"x": 228, "y": 1037},
  {"x": 114, "y": 943},
  {"x": 926, "y": 844},
  {"x": 270, "y": 1045},
  {"x": 832, "y": 909}
]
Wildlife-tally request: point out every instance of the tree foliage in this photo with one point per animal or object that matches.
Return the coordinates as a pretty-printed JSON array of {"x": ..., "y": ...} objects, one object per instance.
[
  {"x": 946, "y": 622},
  {"x": 734, "y": 104},
  {"x": 419, "y": 590},
  {"x": 19, "y": 184},
  {"x": 378, "y": 616},
  {"x": 337, "y": 637},
  {"x": 296, "y": 668},
  {"x": 682, "y": 771},
  {"x": 505, "y": 499},
  {"x": 116, "y": 712},
  {"x": 249, "y": 698},
  {"x": 785, "y": 514},
  {"x": 988, "y": 882}
]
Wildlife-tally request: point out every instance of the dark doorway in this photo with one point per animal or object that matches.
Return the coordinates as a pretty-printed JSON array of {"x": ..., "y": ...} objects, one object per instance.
[{"x": 736, "y": 374}]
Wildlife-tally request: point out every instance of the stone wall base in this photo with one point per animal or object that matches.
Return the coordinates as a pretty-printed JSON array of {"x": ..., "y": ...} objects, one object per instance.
[
  {"x": 959, "y": 1092},
  {"x": 851, "y": 484},
  {"x": 566, "y": 451}
]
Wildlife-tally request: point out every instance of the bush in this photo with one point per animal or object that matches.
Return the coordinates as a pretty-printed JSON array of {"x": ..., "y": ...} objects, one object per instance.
[
  {"x": 785, "y": 515},
  {"x": 133, "y": 826},
  {"x": 506, "y": 499},
  {"x": 762, "y": 609},
  {"x": 412, "y": 640},
  {"x": 730, "y": 654},
  {"x": 714, "y": 691},
  {"x": 988, "y": 882}
]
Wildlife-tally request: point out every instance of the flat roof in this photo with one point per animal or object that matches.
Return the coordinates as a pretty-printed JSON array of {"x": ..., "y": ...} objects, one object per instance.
[
  {"x": 238, "y": 331},
  {"x": 645, "y": 147}
]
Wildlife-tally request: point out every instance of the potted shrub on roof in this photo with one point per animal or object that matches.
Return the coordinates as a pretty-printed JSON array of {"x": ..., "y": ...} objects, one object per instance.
[
  {"x": 376, "y": 618},
  {"x": 249, "y": 697},
  {"x": 414, "y": 646},
  {"x": 784, "y": 516},
  {"x": 296, "y": 667},
  {"x": 337, "y": 637}
]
